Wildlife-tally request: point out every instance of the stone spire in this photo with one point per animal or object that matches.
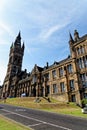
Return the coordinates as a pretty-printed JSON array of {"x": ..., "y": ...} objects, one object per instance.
[
  {"x": 70, "y": 38},
  {"x": 18, "y": 39}
]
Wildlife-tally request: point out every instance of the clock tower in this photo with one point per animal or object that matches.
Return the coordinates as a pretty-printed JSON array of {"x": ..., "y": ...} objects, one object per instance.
[{"x": 14, "y": 65}]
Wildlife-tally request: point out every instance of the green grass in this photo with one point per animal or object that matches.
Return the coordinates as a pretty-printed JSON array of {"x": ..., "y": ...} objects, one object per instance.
[
  {"x": 6, "y": 124},
  {"x": 54, "y": 106}
]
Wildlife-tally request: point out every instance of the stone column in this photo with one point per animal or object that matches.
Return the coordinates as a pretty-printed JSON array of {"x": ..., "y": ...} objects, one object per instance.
[
  {"x": 37, "y": 90},
  {"x": 43, "y": 91},
  {"x": 29, "y": 91},
  {"x": 85, "y": 47}
]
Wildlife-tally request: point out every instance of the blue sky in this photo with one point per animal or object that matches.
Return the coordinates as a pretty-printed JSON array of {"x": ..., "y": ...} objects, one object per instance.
[{"x": 44, "y": 26}]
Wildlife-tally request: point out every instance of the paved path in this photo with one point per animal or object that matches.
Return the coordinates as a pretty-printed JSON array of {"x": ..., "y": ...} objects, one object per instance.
[{"x": 39, "y": 120}]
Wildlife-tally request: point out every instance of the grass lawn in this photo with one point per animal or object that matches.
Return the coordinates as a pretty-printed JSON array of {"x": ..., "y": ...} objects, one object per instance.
[
  {"x": 6, "y": 124},
  {"x": 53, "y": 106}
]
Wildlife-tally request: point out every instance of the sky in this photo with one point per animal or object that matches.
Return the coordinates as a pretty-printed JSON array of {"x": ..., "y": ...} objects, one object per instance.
[{"x": 44, "y": 27}]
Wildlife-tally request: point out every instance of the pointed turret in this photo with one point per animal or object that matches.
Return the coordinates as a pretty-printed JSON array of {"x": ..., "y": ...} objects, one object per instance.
[
  {"x": 71, "y": 43},
  {"x": 18, "y": 39},
  {"x": 70, "y": 38},
  {"x": 19, "y": 36}
]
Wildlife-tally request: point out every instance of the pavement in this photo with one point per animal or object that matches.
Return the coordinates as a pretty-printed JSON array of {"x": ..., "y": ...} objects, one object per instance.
[{"x": 40, "y": 120}]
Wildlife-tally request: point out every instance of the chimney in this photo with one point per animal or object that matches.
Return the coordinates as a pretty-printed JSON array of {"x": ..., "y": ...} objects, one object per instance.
[{"x": 47, "y": 64}]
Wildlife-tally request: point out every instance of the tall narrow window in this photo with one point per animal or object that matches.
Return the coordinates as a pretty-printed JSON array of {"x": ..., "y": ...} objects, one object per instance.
[
  {"x": 79, "y": 51},
  {"x": 61, "y": 71},
  {"x": 47, "y": 76},
  {"x": 84, "y": 79},
  {"x": 82, "y": 49},
  {"x": 83, "y": 65},
  {"x": 85, "y": 61},
  {"x": 54, "y": 74},
  {"x": 80, "y": 63},
  {"x": 34, "y": 79},
  {"x": 69, "y": 67},
  {"x": 71, "y": 82},
  {"x": 73, "y": 98},
  {"x": 62, "y": 86},
  {"x": 55, "y": 89}
]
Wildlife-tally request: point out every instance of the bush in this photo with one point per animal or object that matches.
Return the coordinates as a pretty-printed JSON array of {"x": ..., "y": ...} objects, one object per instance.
[{"x": 84, "y": 102}]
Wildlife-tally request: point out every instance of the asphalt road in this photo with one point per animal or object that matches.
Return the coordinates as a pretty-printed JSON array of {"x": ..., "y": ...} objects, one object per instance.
[{"x": 40, "y": 120}]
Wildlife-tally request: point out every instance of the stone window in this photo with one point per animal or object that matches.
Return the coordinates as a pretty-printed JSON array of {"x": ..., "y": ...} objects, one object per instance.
[
  {"x": 73, "y": 98},
  {"x": 62, "y": 85},
  {"x": 34, "y": 79},
  {"x": 69, "y": 68},
  {"x": 55, "y": 89},
  {"x": 71, "y": 83},
  {"x": 80, "y": 63},
  {"x": 47, "y": 76},
  {"x": 54, "y": 74},
  {"x": 84, "y": 79},
  {"x": 61, "y": 72},
  {"x": 78, "y": 51},
  {"x": 82, "y": 49},
  {"x": 85, "y": 61}
]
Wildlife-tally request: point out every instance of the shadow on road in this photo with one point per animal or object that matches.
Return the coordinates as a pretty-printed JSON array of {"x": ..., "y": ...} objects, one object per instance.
[{"x": 1, "y": 107}]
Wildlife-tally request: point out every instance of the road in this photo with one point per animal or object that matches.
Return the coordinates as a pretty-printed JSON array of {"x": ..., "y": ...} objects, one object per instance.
[{"x": 40, "y": 120}]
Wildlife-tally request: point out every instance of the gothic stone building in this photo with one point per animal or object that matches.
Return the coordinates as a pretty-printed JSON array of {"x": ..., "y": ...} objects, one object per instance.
[{"x": 65, "y": 80}]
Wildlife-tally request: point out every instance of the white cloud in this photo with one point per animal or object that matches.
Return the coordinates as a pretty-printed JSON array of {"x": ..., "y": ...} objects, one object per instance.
[
  {"x": 47, "y": 33},
  {"x": 5, "y": 33},
  {"x": 50, "y": 31},
  {"x": 6, "y": 28}
]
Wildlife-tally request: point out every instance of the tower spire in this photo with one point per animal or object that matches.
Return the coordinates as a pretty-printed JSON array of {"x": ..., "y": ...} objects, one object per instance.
[
  {"x": 19, "y": 35},
  {"x": 18, "y": 39}
]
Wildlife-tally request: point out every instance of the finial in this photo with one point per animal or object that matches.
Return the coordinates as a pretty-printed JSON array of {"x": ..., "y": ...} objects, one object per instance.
[
  {"x": 76, "y": 35},
  {"x": 19, "y": 35}
]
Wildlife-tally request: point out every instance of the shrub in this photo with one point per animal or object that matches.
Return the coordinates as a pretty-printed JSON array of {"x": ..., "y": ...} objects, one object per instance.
[{"x": 84, "y": 102}]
